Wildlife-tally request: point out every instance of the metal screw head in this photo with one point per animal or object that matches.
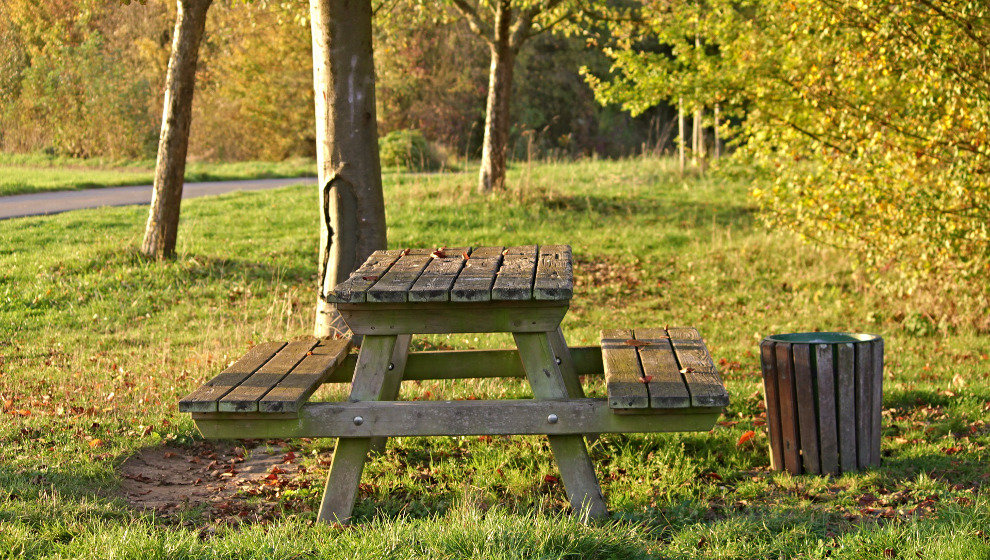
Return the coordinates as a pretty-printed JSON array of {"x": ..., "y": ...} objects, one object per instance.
[
  {"x": 552, "y": 419},
  {"x": 391, "y": 366},
  {"x": 559, "y": 361},
  {"x": 358, "y": 420}
]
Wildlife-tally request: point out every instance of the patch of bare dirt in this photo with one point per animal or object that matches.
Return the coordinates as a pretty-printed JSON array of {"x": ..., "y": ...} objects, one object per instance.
[{"x": 230, "y": 482}]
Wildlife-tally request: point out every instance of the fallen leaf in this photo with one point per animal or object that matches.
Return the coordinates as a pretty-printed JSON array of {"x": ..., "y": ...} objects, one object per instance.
[
  {"x": 646, "y": 379},
  {"x": 465, "y": 255},
  {"x": 169, "y": 454},
  {"x": 96, "y": 442},
  {"x": 438, "y": 254},
  {"x": 747, "y": 435},
  {"x": 369, "y": 278},
  {"x": 634, "y": 342},
  {"x": 687, "y": 370}
]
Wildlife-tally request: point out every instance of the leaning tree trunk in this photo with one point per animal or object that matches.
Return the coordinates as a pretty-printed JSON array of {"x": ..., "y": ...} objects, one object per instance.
[
  {"x": 170, "y": 168},
  {"x": 495, "y": 148},
  {"x": 352, "y": 207}
]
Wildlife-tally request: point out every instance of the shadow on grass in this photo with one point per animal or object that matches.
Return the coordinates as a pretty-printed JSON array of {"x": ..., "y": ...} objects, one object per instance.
[{"x": 687, "y": 213}]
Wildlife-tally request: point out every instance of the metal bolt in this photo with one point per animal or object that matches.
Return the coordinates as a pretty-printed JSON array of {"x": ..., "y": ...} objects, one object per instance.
[
  {"x": 391, "y": 366},
  {"x": 552, "y": 418},
  {"x": 559, "y": 361},
  {"x": 358, "y": 420}
]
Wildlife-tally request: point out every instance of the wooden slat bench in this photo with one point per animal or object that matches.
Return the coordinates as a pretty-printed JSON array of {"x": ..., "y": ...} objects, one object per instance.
[
  {"x": 274, "y": 377},
  {"x": 653, "y": 369}
]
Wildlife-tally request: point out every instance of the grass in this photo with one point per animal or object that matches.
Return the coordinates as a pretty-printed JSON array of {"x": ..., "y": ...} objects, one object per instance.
[
  {"x": 97, "y": 345},
  {"x": 30, "y": 173}
]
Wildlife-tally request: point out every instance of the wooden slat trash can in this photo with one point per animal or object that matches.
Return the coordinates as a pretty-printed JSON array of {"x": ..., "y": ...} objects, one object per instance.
[{"x": 823, "y": 399}]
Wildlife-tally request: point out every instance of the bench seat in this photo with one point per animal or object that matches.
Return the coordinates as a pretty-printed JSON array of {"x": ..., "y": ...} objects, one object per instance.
[
  {"x": 656, "y": 369},
  {"x": 273, "y": 377}
]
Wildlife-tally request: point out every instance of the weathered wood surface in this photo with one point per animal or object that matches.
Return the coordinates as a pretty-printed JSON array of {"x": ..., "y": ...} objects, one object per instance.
[
  {"x": 204, "y": 399},
  {"x": 245, "y": 397},
  {"x": 665, "y": 383},
  {"x": 438, "y": 277},
  {"x": 769, "y": 364},
  {"x": 807, "y": 418},
  {"x": 565, "y": 362},
  {"x": 289, "y": 394},
  {"x": 864, "y": 403},
  {"x": 453, "y": 317},
  {"x": 828, "y": 434},
  {"x": 846, "y": 393},
  {"x": 515, "y": 277},
  {"x": 554, "y": 273},
  {"x": 394, "y": 285},
  {"x": 703, "y": 382},
  {"x": 452, "y": 418},
  {"x": 576, "y": 470},
  {"x": 623, "y": 374},
  {"x": 393, "y": 380},
  {"x": 355, "y": 288},
  {"x": 476, "y": 279},
  {"x": 788, "y": 409},
  {"x": 877, "y": 401}
]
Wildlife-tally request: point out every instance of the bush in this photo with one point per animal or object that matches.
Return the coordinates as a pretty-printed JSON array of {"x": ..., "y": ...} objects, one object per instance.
[{"x": 409, "y": 150}]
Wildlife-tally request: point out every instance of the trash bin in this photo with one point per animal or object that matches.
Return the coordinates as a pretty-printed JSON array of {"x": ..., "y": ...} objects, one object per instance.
[{"x": 823, "y": 398}]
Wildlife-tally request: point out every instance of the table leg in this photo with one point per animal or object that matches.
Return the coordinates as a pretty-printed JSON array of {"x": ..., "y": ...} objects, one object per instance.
[
  {"x": 575, "y": 466},
  {"x": 566, "y": 365},
  {"x": 393, "y": 381},
  {"x": 369, "y": 380}
]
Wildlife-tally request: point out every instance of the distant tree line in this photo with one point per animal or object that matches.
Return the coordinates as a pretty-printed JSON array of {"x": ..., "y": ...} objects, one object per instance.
[{"x": 85, "y": 78}]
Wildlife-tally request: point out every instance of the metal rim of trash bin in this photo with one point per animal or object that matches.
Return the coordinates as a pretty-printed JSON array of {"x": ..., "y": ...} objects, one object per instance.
[{"x": 823, "y": 393}]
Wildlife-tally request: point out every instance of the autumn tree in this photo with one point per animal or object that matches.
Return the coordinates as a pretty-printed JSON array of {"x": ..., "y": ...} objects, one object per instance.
[{"x": 163, "y": 218}]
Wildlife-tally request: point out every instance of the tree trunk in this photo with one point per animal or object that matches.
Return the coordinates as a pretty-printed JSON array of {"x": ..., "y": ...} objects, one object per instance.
[
  {"x": 718, "y": 146},
  {"x": 681, "y": 131},
  {"x": 494, "y": 151},
  {"x": 170, "y": 168},
  {"x": 352, "y": 207}
]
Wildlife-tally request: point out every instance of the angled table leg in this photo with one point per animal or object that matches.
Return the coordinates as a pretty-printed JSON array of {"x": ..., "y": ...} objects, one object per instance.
[
  {"x": 393, "y": 381},
  {"x": 566, "y": 365},
  {"x": 370, "y": 376},
  {"x": 570, "y": 452}
]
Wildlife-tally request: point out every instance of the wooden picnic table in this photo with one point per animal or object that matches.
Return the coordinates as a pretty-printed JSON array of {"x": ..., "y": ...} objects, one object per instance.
[{"x": 658, "y": 379}]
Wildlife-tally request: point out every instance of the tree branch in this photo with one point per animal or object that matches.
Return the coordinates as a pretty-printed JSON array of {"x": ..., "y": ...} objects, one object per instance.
[{"x": 474, "y": 21}]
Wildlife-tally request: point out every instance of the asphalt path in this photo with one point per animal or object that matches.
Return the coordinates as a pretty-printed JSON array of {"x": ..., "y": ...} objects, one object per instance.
[{"x": 54, "y": 202}]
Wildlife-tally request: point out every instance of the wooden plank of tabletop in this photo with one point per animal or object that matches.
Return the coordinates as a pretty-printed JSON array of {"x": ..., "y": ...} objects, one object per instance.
[
  {"x": 475, "y": 281},
  {"x": 623, "y": 373},
  {"x": 394, "y": 285},
  {"x": 245, "y": 397},
  {"x": 438, "y": 278},
  {"x": 515, "y": 277},
  {"x": 554, "y": 273},
  {"x": 666, "y": 385},
  {"x": 355, "y": 288},
  {"x": 204, "y": 399},
  {"x": 699, "y": 371}
]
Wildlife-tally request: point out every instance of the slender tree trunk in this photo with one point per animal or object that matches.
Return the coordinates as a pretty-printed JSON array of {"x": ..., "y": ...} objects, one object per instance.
[
  {"x": 170, "y": 168},
  {"x": 352, "y": 207},
  {"x": 718, "y": 147},
  {"x": 681, "y": 131},
  {"x": 494, "y": 151}
]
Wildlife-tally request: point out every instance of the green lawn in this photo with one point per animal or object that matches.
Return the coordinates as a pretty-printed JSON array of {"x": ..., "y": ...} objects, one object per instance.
[
  {"x": 28, "y": 173},
  {"x": 97, "y": 345}
]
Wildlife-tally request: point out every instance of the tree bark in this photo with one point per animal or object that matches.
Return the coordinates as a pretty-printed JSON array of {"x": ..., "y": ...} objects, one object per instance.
[
  {"x": 163, "y": 219},
  {"x": 718, "y": 146},
  {"x": 494, "y": 151},
  {"x": 352, "y": 206},
  {"x": 681, "y": 131}
]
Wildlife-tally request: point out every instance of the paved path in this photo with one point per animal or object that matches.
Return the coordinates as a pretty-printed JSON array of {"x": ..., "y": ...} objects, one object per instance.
[{"x": 53, "y": 202}]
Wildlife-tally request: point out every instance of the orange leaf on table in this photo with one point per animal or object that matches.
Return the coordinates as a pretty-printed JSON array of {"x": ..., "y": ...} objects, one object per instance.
[
  {"x": 634, "y": 342},
  {"x": 646, "y": 379},
  {"x": 747, "y": 435}
]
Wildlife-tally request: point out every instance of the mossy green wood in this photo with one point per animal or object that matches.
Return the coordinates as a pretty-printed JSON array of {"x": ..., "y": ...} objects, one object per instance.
[{"x": 453, "y": 418}]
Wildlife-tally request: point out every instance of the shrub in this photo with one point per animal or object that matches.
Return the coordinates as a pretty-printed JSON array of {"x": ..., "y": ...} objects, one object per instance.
[{"x": 409, "y": 150}]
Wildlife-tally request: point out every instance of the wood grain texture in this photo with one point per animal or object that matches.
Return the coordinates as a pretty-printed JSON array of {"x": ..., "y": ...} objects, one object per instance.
[
  {"x": 554, "y": 273},
  {"x": 804, "y": 389},
  {"x": 453, "y": 317},
  {"x": 204, "y": 399},
  {"x": 699, "y": 371},
  {"x": 623, "y": 372},
  {"x": 289, "y": 394},
  {"x": 355, "y": 288},
  {"x": 394, "y": 285},
  {"x": 828, "y": 433},
  {"x": 455, "y": 418},
  {"x": 437, "y": 279},
  {"x": 576, "y": 470},
  {"x": 845, "y": 367},
  {"x": 666, "y": 386},
  {"x": 788, "y": 409},
  {"x": 393, "y": 381},
  {"x": 875, "y": 427},
  {"x": 768, "y": 362},
  {"x": 245, "y": 397},
  {"x": 864, "y": 403},
  {"x": 565, "y": 362},
  {"x": 515, "y": 277},
  {"x": 476, "y": 279}
]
